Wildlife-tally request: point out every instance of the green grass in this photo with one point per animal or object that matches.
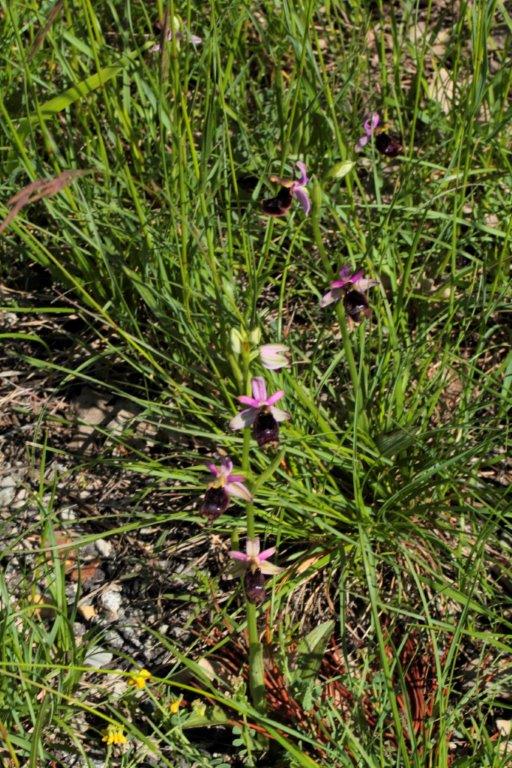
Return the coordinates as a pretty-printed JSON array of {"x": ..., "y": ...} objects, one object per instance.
[{"x": 388, "y": 500}]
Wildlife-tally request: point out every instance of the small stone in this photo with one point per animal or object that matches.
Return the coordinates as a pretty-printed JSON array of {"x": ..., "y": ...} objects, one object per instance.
[
  {"x": 97, "y": 657},
  {"x": 67, "y": 514},
  {"x": 104, "y": 547},
  {"x": 8, "y": 490},
  {"x": 111, "y": 601}
]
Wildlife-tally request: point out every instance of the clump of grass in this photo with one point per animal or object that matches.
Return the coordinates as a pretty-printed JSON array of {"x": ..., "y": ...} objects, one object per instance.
[{"x": 387, "y": 495}]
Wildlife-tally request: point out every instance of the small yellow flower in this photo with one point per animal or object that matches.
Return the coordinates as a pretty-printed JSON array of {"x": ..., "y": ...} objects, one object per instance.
[
  {"x": 175, "y": 705},
  {"x": 139, "y": 679},
  {"x": 113, "y": 734}
]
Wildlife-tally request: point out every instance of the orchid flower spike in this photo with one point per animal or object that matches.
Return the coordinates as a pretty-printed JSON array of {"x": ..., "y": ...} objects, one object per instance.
[
  {"x": 254, "y": 565},
  {"x": 225, "y": 484},
  {"x": 369, "y": 126},
  {"x": 261, "y": 414},
  {"x": 274, "y": 356}
]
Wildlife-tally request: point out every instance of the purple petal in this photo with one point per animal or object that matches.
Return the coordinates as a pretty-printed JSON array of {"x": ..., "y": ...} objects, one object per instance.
[
  {"x": 279, "y": 415},
  {"x": 250, "y": 401},
  {"x": 362, "y": 141},
  {"x": 213, "y": 469},
  {"x": 300, "y": 193},
  {"x": 238, "y": 556},
  {"x": 266, "y": 553},
  {"x": 243, "y": 419},
  {"x": 195, "y": 39},
  {"x": 371, "y": 123},
  {"x": 346, "y": 279},
  {"x": 227, "y": 465},
  {"x": 236, "y": 479},
  {"x": 259, "y": 389},
  {"x": 337, "y": 284},
  {"x": 304, "y": 179},
  {"x": 271, "y": 349},
  {"x": 345, "y": 271},
  {"x": 329, "y": 298},
  {"x": 239, "y": 490},
  {"x": 275, "y": 397}
]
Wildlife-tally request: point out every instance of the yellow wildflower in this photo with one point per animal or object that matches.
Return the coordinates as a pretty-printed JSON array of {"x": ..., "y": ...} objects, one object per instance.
[
  {"x": 139, "y": 679},
  {"x": 113, "y": 734},
  {"x": 175, "y": 705}
]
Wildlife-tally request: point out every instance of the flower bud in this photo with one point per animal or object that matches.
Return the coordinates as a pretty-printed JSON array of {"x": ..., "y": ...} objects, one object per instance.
[
  {"x": 236, "y": 341},
  {"x": 274, "y": 356},
  {"x": 255, "y": 336}
]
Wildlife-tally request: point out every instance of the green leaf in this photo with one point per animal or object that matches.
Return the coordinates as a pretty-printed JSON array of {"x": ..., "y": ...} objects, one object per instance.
[
  {"x": 86, "y": 87},
  {"x": 507, "y": 378},
  {"x": 311, "y": 650},
  {"x": 390, "y": 443},
  {"x": 66, "y": 98},
  {"x": 341, "y": 169}
]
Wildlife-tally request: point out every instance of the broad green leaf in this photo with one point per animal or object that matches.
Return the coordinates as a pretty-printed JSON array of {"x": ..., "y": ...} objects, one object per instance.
[
  {"x": 341, "y": 169},
  {"x": 311, "y": 650},
  {"x": 68, "y": 97}
]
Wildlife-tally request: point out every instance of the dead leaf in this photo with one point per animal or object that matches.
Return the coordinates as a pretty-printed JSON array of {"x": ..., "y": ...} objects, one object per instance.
[
  {"x": 88, "y": 612},
  {"x": 37, "y": 190}
]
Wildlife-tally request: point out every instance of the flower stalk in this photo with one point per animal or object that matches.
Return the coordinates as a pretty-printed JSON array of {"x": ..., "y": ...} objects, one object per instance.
[
  {"x": 361, "y": 417},
  {"x": 256, "y": 671}
]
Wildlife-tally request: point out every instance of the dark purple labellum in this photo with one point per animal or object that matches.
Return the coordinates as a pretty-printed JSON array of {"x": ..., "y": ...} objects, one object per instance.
[
  {"x": 388, "y": 145},
  {"x": 265, "y": 429},
  {"x": 356, "y": 304},
  {"x": 254, "y": 584},
  {"x": 215, "y": 502},
  {"x": 278, "y": 205}
]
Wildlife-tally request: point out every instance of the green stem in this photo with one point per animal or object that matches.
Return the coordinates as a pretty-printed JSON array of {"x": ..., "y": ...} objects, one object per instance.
[
  {"x": 360, "y": 417},
  {"x": 256, "y": 672}
]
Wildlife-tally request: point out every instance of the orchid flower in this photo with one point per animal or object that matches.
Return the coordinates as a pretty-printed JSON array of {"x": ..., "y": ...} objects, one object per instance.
[
  {"x": 346, "y": 284},
  {"x": 280, "y": 204},
  {"x": 174, "y": 31},
  {"x": 261, "y": 413},
  {"x": 225, "y": 484},
  {"x": 254, "y": 565},
  {"x": 253, "y": 558},
  {"x": 274, "y": 356},
  {"x": 369, "y": 126}
]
